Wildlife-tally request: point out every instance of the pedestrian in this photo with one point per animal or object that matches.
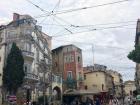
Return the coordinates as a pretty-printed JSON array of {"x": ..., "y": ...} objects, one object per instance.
[
  {"x": 113, "y": 101},
  {"x": 97, "y": 102},
  {"x": 89, "y": 101}
]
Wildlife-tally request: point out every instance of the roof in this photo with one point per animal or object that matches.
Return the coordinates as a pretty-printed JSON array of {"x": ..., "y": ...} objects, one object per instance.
[
  {"x": 46, "y": 36},
  {"x": 93, "y": 71},
  {"x": 129, "y": 81},
  {"x": 114, "y": 72},
  {"x": 61, "y": 47}
]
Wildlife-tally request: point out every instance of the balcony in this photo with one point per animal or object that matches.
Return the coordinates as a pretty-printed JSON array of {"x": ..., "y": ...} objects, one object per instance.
[
  {"x": 32, "y": 77},
  {"x": 28, "y": 54}
]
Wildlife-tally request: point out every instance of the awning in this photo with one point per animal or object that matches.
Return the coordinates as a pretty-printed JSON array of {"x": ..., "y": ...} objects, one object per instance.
[{"x": 82, "y": 92}]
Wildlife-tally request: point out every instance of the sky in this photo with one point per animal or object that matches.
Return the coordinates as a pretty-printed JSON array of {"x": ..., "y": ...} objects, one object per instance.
[{"x": 106, "y": 34}]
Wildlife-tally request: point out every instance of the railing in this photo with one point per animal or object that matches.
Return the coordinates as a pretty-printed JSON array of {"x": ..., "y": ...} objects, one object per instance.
[
  {"x": 31, "y": 76},
  {"x": 27, "y": 53}
]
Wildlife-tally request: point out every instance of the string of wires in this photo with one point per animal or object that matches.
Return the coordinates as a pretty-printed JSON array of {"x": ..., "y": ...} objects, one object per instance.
[
  {"x": 77, "y": 26},
  {"x": 83, "y": 8}
]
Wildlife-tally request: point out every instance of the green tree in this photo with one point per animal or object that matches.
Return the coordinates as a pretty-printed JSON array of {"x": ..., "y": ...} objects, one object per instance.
[
  {"x": 134, "y": 55},
  {"x": 13, "y": 72},
  {"x": 70, "y": 83}
]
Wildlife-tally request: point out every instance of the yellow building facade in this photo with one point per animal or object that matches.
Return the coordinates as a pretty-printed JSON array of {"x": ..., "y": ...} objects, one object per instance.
[
  {"x": 117, "y": 79},
  {"x": 98, "y": 79},
  {"x": 129, "y": 87}
]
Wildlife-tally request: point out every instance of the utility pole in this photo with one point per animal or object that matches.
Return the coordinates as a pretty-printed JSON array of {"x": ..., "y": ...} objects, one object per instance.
[{"x": 93, "y": 56}]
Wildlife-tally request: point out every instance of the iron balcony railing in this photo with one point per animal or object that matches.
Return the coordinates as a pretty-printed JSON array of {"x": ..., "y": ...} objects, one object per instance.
[
  {"x": 27, "y": 53},
  {"x": 32, "y": 76}
]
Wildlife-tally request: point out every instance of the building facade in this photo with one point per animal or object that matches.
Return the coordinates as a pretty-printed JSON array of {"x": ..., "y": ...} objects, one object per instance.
[
  {"x": 137, "y": 42},
  {"x": 98, "y": 79},
  {"x": 24, "y": 31},
  {"x": 118, "y": 82},
  {"x": 67, "y": 60},
  {"x": 129, "y": 87}
]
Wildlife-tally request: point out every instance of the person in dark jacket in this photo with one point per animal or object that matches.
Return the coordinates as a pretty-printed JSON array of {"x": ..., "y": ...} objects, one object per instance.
[{"x": 97, "y": 101}]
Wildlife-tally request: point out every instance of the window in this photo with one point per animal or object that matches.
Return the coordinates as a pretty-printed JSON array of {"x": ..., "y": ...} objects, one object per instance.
[
  {"x": 11, "y": 34},
  {"x": 53, "y": 78},
  {"x": 65, "y": 58},
  {"x": 55, "y": 64},
  {"x": 28, "y": 31},
  {"x": 86, "y": 87},
  {"x": 102, "y": 86},
  {"x": 27, "y": 68},
  {"x": 9, "y": 47},
  {"x": 58, "y": 79},
  {"x": 37, "y": 55},
  {"x": 84, "y": 77},
  {"x": 78, "y": 59},
  {"x": 72, "y": 58},
  {"x": 80, "y": 75},
  {"x": 27, "y": 47},
  {"x": 69, "y": 75}
]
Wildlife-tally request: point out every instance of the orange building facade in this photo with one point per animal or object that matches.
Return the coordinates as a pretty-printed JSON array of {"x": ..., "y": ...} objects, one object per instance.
[{"x": 67, "y": 60}]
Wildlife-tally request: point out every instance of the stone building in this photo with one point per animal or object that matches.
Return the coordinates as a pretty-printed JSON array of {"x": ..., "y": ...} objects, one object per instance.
[
  {"x": 129, "y": 87},
  {"x": 118, "y": 82},
  {"x": 24, "y": 31},
  {"x": 98, "y": 80}
]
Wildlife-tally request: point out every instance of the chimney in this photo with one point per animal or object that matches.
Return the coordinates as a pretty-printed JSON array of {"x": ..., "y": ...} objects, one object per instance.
[{"x": 15, "y": 16}]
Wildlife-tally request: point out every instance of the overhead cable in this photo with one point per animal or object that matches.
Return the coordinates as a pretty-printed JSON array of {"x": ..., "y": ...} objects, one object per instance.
[{"x": 83, "y": 8}]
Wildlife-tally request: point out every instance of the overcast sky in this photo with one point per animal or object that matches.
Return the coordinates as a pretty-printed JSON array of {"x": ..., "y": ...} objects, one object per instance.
[{"x": 110, "y": 28}]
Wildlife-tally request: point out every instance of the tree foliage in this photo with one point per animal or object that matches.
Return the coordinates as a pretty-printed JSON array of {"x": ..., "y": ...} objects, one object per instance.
[
  {"x": 13, "y": 72},
  {"x": 134, "y": 55},
  {"x": 70, "y": 83}
]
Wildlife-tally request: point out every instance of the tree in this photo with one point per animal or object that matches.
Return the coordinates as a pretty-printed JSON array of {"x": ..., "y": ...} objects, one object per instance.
[
  {"x": 13, "y": 72},
  {"x": 134, "y": 55},
  {"x": 70, "y": 83}
]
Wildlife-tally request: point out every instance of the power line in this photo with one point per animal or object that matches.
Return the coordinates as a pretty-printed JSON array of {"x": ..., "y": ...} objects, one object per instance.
[
  {"x": 71, "y": 24},
  {"x": 49, "y": 13},
  {"x": 37, "y": 6},
  {"x": 93, "y": 44},
  {"x": 83, "y": 8},
  {"x": 57, "y": 5},
  {"x": 94, "y": 29}
]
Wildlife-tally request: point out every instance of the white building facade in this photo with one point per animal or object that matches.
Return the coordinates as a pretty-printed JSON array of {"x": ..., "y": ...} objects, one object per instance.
[{"x": 34, "y": 44}]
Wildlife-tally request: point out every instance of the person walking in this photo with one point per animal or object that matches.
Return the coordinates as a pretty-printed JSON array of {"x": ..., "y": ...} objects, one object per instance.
[
  {"x": 114, "y": 101},
  {"x": 97, "y": 102}
]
